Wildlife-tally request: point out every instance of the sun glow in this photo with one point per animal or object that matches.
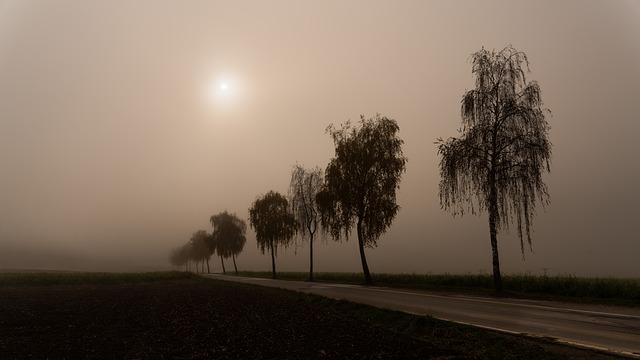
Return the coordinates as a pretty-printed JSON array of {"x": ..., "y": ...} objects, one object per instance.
[
  {"x": 221, "y": 90},
  {"x": 222, "y": 93},
  {"x": 218, "y": 89}
]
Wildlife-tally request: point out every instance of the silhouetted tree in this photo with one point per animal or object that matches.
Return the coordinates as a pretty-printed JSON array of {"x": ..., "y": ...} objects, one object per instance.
[
  {"x": 228, "y": 236},
  {"x": 176, "y": 258},
  {"x": 200, "y": 248},
  {"x": 303, "y": 189},
  {"x": 212, "y": 243},
  {"x": 185, "y": 252},
  {"x": 274, "y": 225},
  {"x": 182, "y": 255},
  {"x": 496, "y": 163},
  {"x": 361, "y": 182}
]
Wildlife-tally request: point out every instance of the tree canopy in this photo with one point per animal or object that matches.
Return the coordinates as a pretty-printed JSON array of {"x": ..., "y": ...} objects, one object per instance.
[
  {"x": 229, "y": 236},
  {"x": 497, "y": 162},
  {"x": 274, "y": 224},
  {"x": 361, "y": 181},
  {"x": 199, "y": 249}
]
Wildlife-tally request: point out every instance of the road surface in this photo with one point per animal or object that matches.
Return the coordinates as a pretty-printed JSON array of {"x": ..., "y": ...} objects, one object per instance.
[{"x": 614, "y": 329}]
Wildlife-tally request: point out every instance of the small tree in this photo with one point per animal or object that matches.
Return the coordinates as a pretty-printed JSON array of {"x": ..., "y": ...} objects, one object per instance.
[
  {"x": 212, "y": 244},
  {"x": 496, "y": 163},
  {"x": 361, "y": 182},
  {"x": 274, "y": 225},
  {"x": 185, "y": 255},
  {"x": 177, "y": 259},
  {"x": 303, "y": 189},
  {"x": 237, "y": 247},
  {"x": 228, "y": 236},
  {"x": 200, "y": 249}
]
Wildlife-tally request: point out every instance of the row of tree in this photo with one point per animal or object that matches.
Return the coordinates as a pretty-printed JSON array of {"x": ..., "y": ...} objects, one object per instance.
[
  {"x": 358, "y": 190},
  {"x": 494, "y": 165},
  {"x": 227, "y": 240}
]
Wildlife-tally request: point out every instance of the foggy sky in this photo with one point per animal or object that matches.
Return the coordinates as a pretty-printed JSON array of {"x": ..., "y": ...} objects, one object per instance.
[{"x": 117, "y": 143}]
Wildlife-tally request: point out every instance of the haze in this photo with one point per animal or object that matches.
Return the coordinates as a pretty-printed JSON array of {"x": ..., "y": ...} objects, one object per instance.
[{"x": 125, "y": 125}]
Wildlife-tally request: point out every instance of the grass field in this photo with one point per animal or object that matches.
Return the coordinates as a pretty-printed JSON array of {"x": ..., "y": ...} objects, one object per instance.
[{"x": 567, "y": 287}]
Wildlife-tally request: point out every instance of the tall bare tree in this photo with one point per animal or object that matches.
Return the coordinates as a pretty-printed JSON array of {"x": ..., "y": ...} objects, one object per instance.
[
  {"x": 303, "y": 189},
  {"x": 229, "y": 236},
  {"x": 274, "y": 225},
  {"x": 497, "y": 162},
  {"x": 361, "y": 182}
]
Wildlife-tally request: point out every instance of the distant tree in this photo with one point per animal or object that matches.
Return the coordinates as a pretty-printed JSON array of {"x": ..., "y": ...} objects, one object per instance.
[
  {"x": 496, "y": 163},
  {"x": 229, "y": 236},
  {"x": 303, "y": 189},
  {"x": 238, "y": 246},
  {"x": 274, "y": 225},
  {"x": 185, "y": 254},
  {"x": 212, "y": 243},
  {"x": 176, "y": 258},
  {"x": 181, "y": 256},
  {"x": 361, "y": 182},
  {"x": 200, "y": 248}
]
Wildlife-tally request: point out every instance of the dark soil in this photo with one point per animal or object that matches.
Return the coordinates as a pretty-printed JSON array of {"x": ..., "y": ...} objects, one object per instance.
[{"x": 189, "y": 319}]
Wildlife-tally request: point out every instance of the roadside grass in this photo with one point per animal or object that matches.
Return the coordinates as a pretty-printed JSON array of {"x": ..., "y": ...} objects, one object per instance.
[
  {"x": 613, "y": 291},
  {"x": 97, "y": 278}
]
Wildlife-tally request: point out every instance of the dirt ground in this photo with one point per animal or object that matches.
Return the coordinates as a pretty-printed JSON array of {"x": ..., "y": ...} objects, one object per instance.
[{"x": 187, "y": 319}]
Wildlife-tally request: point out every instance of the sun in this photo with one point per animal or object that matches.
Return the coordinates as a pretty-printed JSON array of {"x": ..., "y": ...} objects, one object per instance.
[
  {"x": 222, "y": 92},
  {"x": 218, "y": 91}
]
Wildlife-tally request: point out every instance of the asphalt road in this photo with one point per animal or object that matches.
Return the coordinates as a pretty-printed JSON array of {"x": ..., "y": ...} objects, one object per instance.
[{"x": 615, "y": 329}]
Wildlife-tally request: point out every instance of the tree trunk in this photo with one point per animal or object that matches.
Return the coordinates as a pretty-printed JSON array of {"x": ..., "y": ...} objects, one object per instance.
[
  {"x": 235, "y": 267},
  {"x": 493, "y": 231},
  {"x": 363, "y": 258},
  {"x": 208, "y": 269},
  {"x": 311, "y": 278},
  {"x": 273, "y": 262},
  {"x": 224, "y": 271}
]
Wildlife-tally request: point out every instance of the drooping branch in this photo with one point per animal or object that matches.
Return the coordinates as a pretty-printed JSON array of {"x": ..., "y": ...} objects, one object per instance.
[{"x": 504, "y": 136}]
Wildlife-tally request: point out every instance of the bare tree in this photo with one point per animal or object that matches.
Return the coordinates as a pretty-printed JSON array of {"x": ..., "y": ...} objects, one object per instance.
[
  {"x": 361, "y": 182},
  {"x": 274, "y": 225},
  {"x": 497, "y": 162},
  {"x": 303, "y": 189},
  {"x": 229, "y": 236}
]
